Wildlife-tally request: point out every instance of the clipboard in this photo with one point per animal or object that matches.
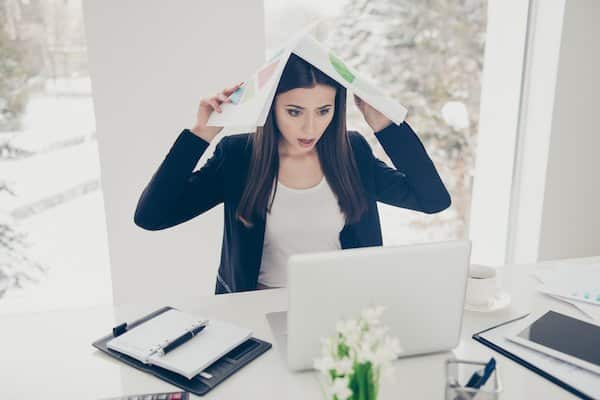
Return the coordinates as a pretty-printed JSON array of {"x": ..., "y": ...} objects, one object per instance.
[
  {"x": 199, "y": 385},
  {"x": 527, "y": 364}
]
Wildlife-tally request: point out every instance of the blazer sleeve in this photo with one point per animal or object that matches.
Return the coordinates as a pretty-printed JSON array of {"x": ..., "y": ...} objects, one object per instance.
[
  {"x": 414, "y": 183},
  {"x": 175, "y": 193}
]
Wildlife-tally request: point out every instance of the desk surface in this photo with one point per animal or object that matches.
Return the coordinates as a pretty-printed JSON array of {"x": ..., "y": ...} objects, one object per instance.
[{"x": 49, "y": 355}]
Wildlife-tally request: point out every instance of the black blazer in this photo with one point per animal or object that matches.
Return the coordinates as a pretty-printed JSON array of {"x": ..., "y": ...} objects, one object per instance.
[{"x": 176, "y": 194}]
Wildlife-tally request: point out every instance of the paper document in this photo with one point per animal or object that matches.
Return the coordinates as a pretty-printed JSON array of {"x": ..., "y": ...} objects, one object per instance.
[
  {"x": 191, "y": 357},
  {"x": 251, "y": 102},
  {"x": 573, "y": 283}
]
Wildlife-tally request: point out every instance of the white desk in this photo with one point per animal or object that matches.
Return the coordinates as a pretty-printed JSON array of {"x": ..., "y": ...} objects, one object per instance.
[{"x": 49, "y": 355}]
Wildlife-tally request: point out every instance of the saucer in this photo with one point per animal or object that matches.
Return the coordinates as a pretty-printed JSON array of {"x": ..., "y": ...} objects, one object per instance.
[{"x": 498, "y": 302}]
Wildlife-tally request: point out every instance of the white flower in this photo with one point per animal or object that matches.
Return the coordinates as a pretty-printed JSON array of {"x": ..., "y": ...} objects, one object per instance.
[
  {"x": 348, "y": 327},
  {"x": 392, "y": 346},
  {"x": 372, "y": 315},
  {"x": 365, "y": 340},
  {"x": 370, "y": 340},
  {"x": 324, "y": 364},
  {"x": 352, "y": 340},
  {"x": 344, "y": 366},
  {"x": 382, "y": 356},
  {"x": 379, "y": 332},
  {"x": 340, "y": 389},
  {"x": 365, "y": 354}
]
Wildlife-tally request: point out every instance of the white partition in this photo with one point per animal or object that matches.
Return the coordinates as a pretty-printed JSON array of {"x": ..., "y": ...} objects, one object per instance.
[
  {"x": 556, "y": 193},
  {"x": 498, "y": 126},
  {"x": 536, "y": 196},
  {"x": 543, "y": 55},
  {"x": 150, "y": 63},
  {"x": 571, "y": 215}
]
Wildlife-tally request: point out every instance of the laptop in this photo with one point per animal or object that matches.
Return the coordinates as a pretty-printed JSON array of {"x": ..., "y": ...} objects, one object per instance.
[{"x": 422, "y": 287}]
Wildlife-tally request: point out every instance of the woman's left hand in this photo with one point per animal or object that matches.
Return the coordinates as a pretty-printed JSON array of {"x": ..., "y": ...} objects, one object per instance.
[{"x": 376, "y": 120}]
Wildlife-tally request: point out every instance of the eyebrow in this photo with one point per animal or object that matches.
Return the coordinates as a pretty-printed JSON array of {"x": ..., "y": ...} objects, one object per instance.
[{"x": 302, "y": 108}]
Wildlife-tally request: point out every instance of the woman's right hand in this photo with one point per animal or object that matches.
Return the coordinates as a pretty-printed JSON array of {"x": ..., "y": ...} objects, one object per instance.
[{"x": 206, "y": 107}]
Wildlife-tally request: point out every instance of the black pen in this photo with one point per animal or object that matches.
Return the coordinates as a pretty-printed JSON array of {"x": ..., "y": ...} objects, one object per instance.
[{"x": 183, "y": 338}]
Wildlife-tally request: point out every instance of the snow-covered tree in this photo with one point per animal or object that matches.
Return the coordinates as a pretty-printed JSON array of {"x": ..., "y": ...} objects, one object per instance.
[{"x": 428, "y": 55}]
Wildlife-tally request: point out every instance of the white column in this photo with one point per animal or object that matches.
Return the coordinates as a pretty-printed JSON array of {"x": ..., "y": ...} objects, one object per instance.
[
  {"x": 545, "y": 34},
  {"x": 570, "y": 224},
  {"x": 150, "y": 63},
  {"x": 498, "y": 122}
]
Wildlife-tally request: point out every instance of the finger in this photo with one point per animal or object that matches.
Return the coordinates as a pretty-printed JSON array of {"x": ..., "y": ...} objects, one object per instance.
[
  {"x": 222, "y": 98},
  {"x": 229, "y": 91},
  {"x": 215, "y": 104},
  {"x": 204, "y": 103}
]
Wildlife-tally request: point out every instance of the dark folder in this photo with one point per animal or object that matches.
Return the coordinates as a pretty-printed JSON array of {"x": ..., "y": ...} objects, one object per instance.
[
  {"x": 199, "y": 385},
  {"x": 494, "y": 346}
]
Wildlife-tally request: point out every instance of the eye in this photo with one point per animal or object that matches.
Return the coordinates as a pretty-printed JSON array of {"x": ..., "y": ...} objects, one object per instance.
[
  {"x": 324, "y": 112},
  {"x": 292, "y": 112}
]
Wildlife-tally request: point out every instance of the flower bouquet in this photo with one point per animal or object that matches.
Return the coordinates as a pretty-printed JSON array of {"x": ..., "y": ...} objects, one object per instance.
[{"x": 355, "y": 358}]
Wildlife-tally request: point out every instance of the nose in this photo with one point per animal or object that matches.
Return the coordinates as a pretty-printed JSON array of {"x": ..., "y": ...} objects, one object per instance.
[{"x": 309, "y": 125}]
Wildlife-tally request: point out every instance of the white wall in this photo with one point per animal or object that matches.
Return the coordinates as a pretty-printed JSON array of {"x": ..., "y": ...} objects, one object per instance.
[
  {"x": 571, "y": 214},
  {"x": 554, "y": 212},
  {"x": 535, "y": 198},
  {"x": 498, "y": 122},
  {"x": 539, "y": 93},
  {"x": 150, "y": 63}
]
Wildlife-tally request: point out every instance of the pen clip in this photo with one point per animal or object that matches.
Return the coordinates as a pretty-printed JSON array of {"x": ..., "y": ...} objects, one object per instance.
[
  {"x": 119, "y": 329},
  {"x": 202, "y": 324},
  {"x": 168, "y": 345},
  {"x": 153, "y": 351}
]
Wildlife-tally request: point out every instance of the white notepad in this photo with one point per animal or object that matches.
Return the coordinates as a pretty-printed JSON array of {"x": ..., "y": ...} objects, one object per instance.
[{"x": 188, "y": 359}]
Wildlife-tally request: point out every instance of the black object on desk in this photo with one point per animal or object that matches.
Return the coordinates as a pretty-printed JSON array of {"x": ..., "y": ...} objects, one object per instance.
[
  {"x": 201, "y": 383},
  {"x": 183, "y": 338},
  {"x": 505, "y": 352}
]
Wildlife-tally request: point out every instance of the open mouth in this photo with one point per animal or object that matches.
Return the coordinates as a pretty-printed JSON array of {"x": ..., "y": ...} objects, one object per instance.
[{"x": 306, "y": 142}]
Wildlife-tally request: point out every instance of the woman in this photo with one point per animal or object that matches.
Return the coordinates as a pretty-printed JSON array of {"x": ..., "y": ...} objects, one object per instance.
[{"x": 301, "y": 183}]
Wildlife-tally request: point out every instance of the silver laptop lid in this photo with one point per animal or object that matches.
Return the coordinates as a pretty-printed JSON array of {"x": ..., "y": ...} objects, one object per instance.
[{"x": 422, "y": 287}]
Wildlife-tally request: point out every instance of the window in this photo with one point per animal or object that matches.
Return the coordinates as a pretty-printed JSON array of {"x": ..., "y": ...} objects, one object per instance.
[
  {"x": 53, "y": 247},
  {"x": 428, "y": 56}
]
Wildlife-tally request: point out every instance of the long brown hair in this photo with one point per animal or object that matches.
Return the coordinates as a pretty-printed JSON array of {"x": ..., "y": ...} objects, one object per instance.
[{"x": 333, "y": 148}]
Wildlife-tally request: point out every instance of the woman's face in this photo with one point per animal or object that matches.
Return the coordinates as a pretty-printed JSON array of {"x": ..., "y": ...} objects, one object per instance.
[{"x": 302, "y": 116}]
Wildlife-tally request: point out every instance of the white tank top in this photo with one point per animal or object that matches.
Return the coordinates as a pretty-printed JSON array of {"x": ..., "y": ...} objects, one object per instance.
[{"x": 300, "y": 221}]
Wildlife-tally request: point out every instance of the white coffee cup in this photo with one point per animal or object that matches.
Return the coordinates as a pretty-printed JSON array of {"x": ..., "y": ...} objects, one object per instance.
[{"x": 481, "y": 285}]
